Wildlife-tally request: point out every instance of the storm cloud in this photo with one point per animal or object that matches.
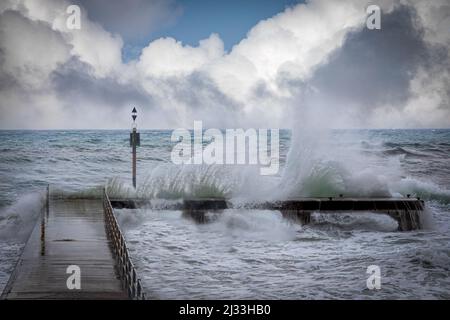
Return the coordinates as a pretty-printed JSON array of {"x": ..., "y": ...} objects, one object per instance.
[{"x": 314, "y": 62}]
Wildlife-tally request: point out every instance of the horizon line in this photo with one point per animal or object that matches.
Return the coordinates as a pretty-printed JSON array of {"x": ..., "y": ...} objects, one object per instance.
[{"x": 168, "y": 129}]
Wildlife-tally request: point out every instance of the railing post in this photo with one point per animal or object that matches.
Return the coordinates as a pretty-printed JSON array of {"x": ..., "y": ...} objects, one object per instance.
[{"x": 48, "y": 200}]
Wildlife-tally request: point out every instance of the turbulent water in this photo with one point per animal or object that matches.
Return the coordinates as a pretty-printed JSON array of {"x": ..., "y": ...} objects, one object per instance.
[{"x": 249, "y": 254}]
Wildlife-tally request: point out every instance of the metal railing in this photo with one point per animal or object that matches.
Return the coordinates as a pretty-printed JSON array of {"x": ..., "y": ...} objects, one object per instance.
[{"x": 130, "y": 281}]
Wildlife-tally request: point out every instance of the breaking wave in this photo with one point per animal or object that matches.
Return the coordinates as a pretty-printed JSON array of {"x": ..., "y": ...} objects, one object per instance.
[
  {"x": 404, "y": 151},
  {"x": 18, "y": 220},
  {"x": 195, "y": 181},
  {"x": 418, "y": 188}
]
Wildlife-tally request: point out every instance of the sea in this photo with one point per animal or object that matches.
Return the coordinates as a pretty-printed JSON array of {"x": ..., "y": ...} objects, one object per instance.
[{"x": 249, "y": 254}]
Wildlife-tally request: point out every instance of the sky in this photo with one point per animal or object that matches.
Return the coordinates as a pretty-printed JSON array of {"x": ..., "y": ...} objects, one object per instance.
[
  {"x": 188, "y": 21},
  {"x": 230, "y": 64}
]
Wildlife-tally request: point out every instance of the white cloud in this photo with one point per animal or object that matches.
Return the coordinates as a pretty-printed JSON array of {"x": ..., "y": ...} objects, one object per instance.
[{"x": 167, "y": 57}]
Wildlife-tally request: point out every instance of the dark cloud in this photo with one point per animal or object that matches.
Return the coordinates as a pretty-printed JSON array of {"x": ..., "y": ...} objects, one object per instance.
[
  {"x": 74, "y": 83},
  {"x": 132, "y": 19},
  {"x": 206, "y": 101},
  {"x": 374, "y": 67}
]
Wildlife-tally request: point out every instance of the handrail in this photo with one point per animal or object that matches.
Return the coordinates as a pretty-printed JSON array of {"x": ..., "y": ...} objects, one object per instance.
[
  {"x": 47, "y": 200},
  {"x": 132, "y": 284}
]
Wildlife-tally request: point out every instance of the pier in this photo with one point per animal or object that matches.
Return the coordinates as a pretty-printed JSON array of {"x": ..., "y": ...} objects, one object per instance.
[
  {"x": 75, "y": 232},
  {"x": 406, "y": 211},
  {"x": 83, "y": 232}
]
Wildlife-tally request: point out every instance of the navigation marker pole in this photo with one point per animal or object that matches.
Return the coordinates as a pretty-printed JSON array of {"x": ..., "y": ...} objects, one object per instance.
[{"x": 135, "y": 140}]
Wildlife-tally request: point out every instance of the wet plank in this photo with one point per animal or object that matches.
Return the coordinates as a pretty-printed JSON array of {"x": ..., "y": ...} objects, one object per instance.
[{"x": 72, "y": 232}]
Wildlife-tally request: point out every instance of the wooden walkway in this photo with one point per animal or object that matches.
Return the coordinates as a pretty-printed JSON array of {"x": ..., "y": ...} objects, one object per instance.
[{"x": 70, "y": 232}]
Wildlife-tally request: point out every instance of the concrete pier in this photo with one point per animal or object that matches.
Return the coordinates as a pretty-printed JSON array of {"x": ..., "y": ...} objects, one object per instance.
[{"x": 406, "y": 211}]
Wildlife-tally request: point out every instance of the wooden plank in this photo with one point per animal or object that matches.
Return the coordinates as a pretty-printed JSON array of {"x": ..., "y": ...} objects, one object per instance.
[{"x": 72, "y": 233}]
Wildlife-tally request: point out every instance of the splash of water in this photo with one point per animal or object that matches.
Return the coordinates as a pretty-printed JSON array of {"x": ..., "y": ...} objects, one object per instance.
[
  {"x": 168, "y": 181},
  {"x": 17, "y": 220},
  {"x": 318, "y": 167},
  {"x": 176, "y": 182}
]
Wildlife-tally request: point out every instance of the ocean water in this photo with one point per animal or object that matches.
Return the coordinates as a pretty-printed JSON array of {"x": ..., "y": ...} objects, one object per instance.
[{"x": 249, "y": 253}]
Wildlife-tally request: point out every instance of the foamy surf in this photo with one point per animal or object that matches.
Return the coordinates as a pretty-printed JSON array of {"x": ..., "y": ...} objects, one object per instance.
[
  {"x": 17, "y": 220},
  {"x": 16, "y": 223}
]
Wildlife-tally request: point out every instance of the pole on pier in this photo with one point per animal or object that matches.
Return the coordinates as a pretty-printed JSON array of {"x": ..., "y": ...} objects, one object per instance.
[{"x": 135, "y": 140}]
